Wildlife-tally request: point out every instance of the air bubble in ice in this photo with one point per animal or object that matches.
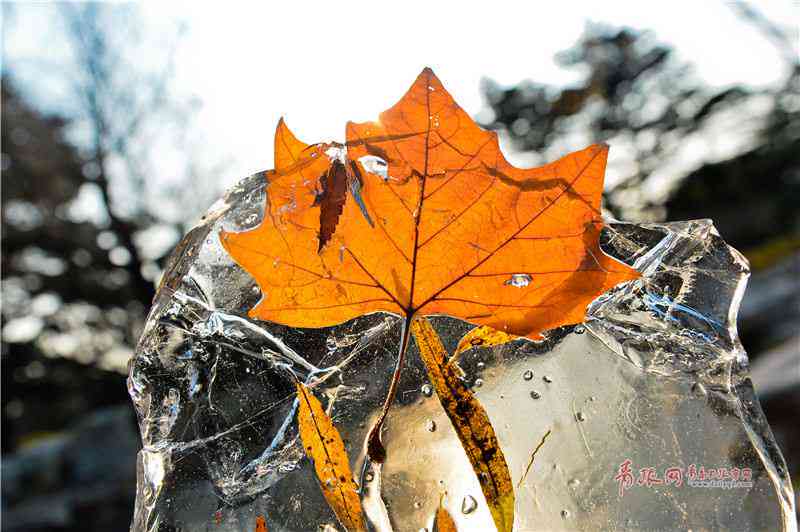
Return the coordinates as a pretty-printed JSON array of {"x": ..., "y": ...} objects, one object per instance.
[
  {"x": 520, "y": 280},
  {"x": 468, "y": 505},
  {"x": 427, "y": 390},
  {"x": 375, "y": 165},
  {"x": 528, "y": 375}
]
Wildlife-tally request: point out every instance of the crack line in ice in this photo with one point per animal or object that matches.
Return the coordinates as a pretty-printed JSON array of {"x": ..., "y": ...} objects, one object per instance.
[{"x": 655, "y": 301}]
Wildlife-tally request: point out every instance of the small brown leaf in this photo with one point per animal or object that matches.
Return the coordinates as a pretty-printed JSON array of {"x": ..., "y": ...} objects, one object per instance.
[
  {"x": 331, "y": 201},
  {"x": 261, "y": 524},
  {"x": 324, "y": 446},
  {"x": 471, "y": 423},
  {"x": 443, "y": 522}
]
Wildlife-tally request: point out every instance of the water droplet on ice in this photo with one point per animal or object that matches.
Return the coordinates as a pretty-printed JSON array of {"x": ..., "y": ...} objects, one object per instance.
[
  {"x": 564, "y": 514},
  {"x": 417, "y": 505},
  {"x": 547, "y": 379},
  {"x": 468, "y": 505},
  {"x": 478, "y": 383},
  {"x": 580, "y": 416},
  {"x": 528, "y": 375},
  {"x": 520, "y": 280},
  {"x": 430, "y": 425},
  {"x": 427, "y": 390},
  {"x": 535, "y": 394},
  {"x": 481, "y": 365},
  {"x": 580, "y": 329}
]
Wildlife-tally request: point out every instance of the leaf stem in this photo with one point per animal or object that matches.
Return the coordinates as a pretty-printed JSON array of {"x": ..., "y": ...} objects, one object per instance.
[{"x": 375, "y": 450}]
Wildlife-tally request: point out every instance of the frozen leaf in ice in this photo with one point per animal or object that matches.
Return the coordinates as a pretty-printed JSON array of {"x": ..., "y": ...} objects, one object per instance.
[
  {"x": 471, "y": 423},
  {"x": 421, "y": 245},
  {"x": 325, "y": 447}
]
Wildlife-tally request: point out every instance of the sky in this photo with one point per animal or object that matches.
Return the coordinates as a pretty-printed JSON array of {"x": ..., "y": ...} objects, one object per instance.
[{"x": 320, "y": 64}]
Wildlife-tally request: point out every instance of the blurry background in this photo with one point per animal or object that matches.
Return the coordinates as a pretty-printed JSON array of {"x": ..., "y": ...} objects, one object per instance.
[{"x": 122, "y": 123}]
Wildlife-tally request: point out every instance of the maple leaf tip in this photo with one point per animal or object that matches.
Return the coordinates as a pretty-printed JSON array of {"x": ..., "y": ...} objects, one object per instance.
[
  {"x": 281, "y": 126},
  {"x": 428, "y": 76}
]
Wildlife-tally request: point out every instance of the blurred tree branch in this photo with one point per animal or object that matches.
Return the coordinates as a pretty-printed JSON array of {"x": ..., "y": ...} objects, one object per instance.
[
  {"x": 664, "y": 122},
  {"x": 786, "y": 44},
  {"x": 117, "y": 111},
  {"x": 85, "y": 185}
]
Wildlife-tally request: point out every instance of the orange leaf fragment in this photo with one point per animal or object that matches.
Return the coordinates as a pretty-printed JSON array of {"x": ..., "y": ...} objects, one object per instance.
[
  {"x": 261, "y": 523},
  {"x": 443, "y": 522},
  {"x": 420, "y": 213},
  {"x": 471, "y": 423},
  {"x": 483, "y": 336},
  {"x": 324, "y": 446}
]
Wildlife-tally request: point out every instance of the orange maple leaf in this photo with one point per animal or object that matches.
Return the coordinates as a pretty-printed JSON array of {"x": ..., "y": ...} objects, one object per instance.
[{"x": 420, "y": 213}]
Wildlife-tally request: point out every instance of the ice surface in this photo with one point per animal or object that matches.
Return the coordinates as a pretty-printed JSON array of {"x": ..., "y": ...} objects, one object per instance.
[{"x": 655, "y": 379}]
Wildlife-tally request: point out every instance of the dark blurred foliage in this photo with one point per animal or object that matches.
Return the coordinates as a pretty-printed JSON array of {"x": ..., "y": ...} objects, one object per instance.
[
  {"x": 638, "y": 96},
  {"x": 76, "y": 288},
  {"x": 85, "y": 233},
  {"x": 742, "y": 171}
]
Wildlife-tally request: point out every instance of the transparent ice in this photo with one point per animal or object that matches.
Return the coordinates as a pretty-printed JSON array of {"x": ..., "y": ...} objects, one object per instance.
[{"x": 656, "y": 375}]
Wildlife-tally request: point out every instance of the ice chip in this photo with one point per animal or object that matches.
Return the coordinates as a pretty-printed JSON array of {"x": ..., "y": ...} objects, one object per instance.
[{"x": 652, "y": 416}]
